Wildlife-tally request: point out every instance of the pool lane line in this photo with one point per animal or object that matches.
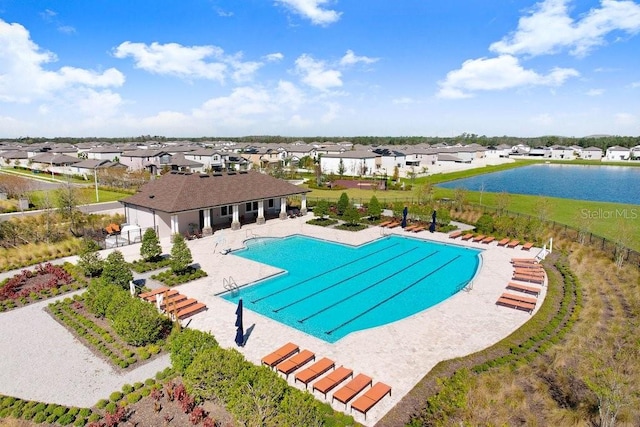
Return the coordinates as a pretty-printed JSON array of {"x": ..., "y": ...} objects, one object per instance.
[
  {"x": 342, "y": 281},
  {"x": 413, "y": 264},
  {"x": 391, "y": 297},
  {"x": 323, "y": 273}
]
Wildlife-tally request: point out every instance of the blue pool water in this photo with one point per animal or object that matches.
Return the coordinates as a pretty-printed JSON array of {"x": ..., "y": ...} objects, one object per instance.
[
  {"x": 329, "y": 290},
  {"x": 618, "y": 184}
]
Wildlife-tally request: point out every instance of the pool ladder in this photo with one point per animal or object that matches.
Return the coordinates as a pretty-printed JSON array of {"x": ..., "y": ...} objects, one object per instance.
[{"x": 230, "y": 285}]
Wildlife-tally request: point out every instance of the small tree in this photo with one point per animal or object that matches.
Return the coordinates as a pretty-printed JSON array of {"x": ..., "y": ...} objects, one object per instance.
[
  {"x": 139, "y": 323},
  {"x": 181, "y": 257},
  {"x": 321, "y": 209},
  {"x": 351, "y": 215},
  {"x": 396, "y": 174},
  {"x": 374, "y": 210},
  {"x": 341, "y": 168},
  {"x": 485, "y": 224},
  {"x": 89, "y": 259},
  {"x": 343, "y": 203},
  {"x": 150, "y": 250},
  {"x": 116, "y": 270},
  {"x": 185, "y": 344}
]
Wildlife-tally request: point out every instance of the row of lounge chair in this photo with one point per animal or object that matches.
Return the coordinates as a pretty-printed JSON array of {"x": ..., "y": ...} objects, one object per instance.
[
  {"x": 481, "y": 238},
  {"x": 527, "y": 270},
  {"x": 390, "y": 224},
  {"x": 290, "y": 358}
]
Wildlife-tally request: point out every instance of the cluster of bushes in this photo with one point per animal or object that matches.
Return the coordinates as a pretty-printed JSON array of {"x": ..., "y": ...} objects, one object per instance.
[
  {"x": 50, "y": 414},
  {"x": 169, "y": 278},
  {"x": 13, "y": 292},
  {"x": 137, "y": 322},
  {"x": 255, "y": 395},
  {"x": 352, "y": 216},
  {"x": 142, "y": 266}
]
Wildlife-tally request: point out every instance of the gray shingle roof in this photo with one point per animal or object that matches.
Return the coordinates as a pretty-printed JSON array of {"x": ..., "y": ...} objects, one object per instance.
[{"x": 179, "y": 192}]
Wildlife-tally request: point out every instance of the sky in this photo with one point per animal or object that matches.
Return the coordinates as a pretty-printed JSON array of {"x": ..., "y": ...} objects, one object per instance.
[{"x": 216, "y": 68}]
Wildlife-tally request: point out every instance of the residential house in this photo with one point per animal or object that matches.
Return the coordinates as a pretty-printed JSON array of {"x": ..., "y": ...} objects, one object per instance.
[
  {"x": 591, "y": 153},
  {"x": 211, "y": 159},
  {"x": 617, "y": 153},
  {"x": 151, "y": 160},
  {"x": 559, "y": 152},
  {"x": 354, "y": 163}
]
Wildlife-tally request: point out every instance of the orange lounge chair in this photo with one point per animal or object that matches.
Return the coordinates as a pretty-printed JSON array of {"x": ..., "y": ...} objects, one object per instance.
[
  {"x": 287, "y": 366},
  {"x": 314, "y": 371},
  {"x": 393, "y": 224},
  {"x": 353, "y": 387},
  {"x": 385, "y": 223},
  {"x": 528, "y": 265},
  {"x": 411, "y": 227},
  {"x": 115, "y": 228},
  {"x": 370, "y": 398},
  {"x": 504, "y": 242},
  {"x": 519, "y": 298},
  {"x": 527, "y": 246},
  {"x": 526, "y": 306},
  {"x": 455, "y": 234},
  {"x": 153, "y": 292},
  {"x": 513, "y": 243},
  {"x": 534, "y": 290},
  {"x": 467, "y": 236},
  {"x": 529, "y": 271},
  {"x": 419, "y": 229},
  {"x": 527, "y": 278},
  {"x": 524, "y": 261},
  {"x": 479, "y": 238},
  {"x": 280, "y": 354},
  {"x": 488, "y": 240},
  {"x": 328, "y": 383}
]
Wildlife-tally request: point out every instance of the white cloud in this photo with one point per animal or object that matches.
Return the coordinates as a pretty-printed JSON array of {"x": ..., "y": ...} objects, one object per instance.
[
  {"x": 595, "y": 92},
  {"x": 316, "y": 74},
  {"x": 312, "y": 10},
  {"x": 274, "y": 57},
  {"x": 223, "y": 13},
  {"x": 548, "y": 28},
  {"x": 188, "y": 62},
  {"x": 24, "y": 79},
  {"x": 66, "y": 29},
  {"x": 503, "y": 72},
  {"x": 635, "y": 85},
  {"x": 350, "y": 58}
]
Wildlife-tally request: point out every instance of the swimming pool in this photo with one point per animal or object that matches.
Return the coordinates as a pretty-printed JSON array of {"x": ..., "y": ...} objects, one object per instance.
[{"x": 329, "y": 289}]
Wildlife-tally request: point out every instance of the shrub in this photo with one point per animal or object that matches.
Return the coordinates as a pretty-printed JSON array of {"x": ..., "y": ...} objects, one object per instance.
[
  {"x": 134, "y": 397},
  {"x": 119, "y": 300},
  {"x": 111, "y": 407},
  {"x": 90, "y": 261},
  {"x": 181, "y": 256},
  {"x": 115, "y": 396},
  {"x": 39, "y": 418},
  {"x": 98, "y": 297},
  {"x": 139, "y": 323},
  {"x": 485, "y": 224},
  {"x": 127, "y": 388},
  {"x": 116, "y": 270},
  {"x": 374, "y": 210},
  {"x": 343, "y": 203},
  {"x": 351, "y": 215},
  {"x": 321, "y": 209},
  {"x": 66, "y": 419},
  {"x": 185, "y": 344},
  {"x": 150, "y": 248},
  {"x": 215, "y": 372}
]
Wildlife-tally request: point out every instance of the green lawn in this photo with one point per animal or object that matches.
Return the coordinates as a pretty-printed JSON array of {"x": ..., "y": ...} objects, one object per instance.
[{"x": 86, "y": 195}]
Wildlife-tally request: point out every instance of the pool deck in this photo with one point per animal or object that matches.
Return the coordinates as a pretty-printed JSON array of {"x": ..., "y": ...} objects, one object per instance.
[{"x": 398, "y": 354}]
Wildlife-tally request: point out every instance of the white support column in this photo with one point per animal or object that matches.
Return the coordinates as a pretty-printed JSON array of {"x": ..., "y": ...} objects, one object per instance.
[
  {"x": 175, "y": 226},
  {"x": 235, "y": 222},
  {"x": 303, "y": 204},
  {"x": 260, "y": 219},
  {"x": 283, "y": 208},
  {"x": 207, "y": 230}
]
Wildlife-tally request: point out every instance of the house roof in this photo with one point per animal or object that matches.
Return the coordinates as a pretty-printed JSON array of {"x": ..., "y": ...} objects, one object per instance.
[
  {"x": 55, "y": 159},
  {"x": 145, "y": 153},
  {"x": 97, "y": 164},
  {"x": 179, "y": 192}
]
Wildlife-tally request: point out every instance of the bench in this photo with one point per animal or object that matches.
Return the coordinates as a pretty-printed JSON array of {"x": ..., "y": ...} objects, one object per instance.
[
  {"x": 503, "y": 242},
  {"x": 191, "y": 310},
  {"x": 534, "y": 290},
  {"x": 529, "y": 278},
  {"x": 455, "y": 234},
  {"x": 479, "y": 238},
  {"x": 516, "y": 304},
  {"x": 488, "y": 240},
  {"x": 527, "y": 246},
  {"x": 172, "y": 300},
  {"x": 152, "y": 293},
  {"x": 519, "y": 298}
]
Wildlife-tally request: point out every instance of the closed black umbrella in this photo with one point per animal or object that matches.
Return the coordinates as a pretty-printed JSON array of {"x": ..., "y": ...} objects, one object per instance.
[
  {"x": 432, "y": 227},
  {"x": 239, "y": 326},
  {"x": 405, "y": 211}
]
